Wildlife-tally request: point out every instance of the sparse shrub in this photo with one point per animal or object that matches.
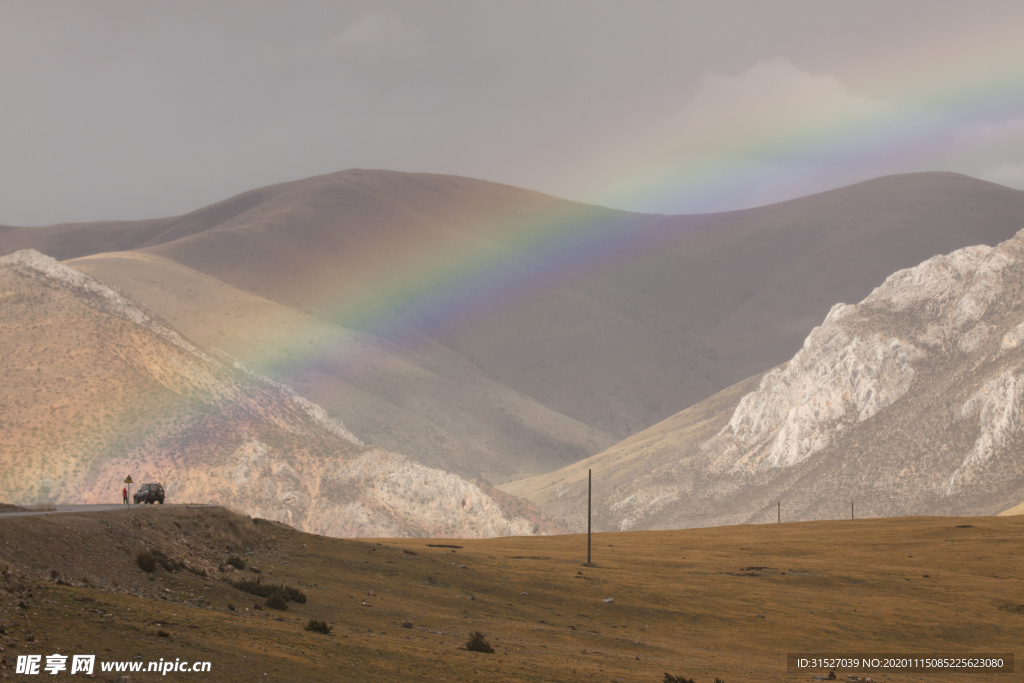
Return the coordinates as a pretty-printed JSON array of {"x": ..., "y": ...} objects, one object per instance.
[
  {"x": 168, "y": 563},
  {"x": 236, "y": 562},
  {"x": 277, "y": 601},
  {"x": 477, "y": 643},
  {"x": 265, "y": 590},
  {"x": 318, "y": 627},
  {"x": 197, "y": 571},
  {"x": 669, "y": 678},
  {"x": 146, "y": 561}
]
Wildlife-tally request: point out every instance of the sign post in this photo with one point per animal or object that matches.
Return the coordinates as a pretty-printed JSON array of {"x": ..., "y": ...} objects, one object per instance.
[{"x": 128, "y": 480}]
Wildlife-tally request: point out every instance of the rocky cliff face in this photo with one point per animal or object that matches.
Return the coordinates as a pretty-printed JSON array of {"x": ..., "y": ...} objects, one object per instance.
[
  {"x": 864, "y": 358},
  {"x": 94, "y": 387},
  {"x": 910, "y": 402}
]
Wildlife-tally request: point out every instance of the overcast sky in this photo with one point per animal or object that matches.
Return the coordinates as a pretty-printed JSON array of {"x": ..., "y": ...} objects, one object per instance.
[{"x": 112, "y": 109}]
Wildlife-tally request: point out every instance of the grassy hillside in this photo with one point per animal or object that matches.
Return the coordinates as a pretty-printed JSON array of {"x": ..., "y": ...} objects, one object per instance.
[{"x": 704, "y": 603}]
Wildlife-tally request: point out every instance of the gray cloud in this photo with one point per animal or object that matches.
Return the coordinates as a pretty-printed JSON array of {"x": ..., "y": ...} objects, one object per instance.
[{"x": 132, "y": 110}]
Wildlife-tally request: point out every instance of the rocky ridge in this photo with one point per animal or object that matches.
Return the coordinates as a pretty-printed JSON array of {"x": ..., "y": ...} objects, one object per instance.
[{"x": 847, "y": 372}]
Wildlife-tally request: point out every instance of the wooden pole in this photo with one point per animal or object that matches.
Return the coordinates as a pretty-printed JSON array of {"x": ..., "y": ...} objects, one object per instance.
[
  {"x": 851, "y": 510},
  {"x": 780, "y": 512},
  {"x": 589, "y": 488}
]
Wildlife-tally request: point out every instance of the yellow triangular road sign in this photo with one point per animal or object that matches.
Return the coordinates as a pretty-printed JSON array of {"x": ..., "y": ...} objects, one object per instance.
[{"x": 128, "y": 479}]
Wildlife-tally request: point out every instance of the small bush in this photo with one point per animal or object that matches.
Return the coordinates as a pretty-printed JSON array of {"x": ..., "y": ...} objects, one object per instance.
[
  {"x": 168, "y": 563},
  {"x": 146, "y": 561},
  {"x": 318, "y": 627},
  {"x": 669, "y": 678},
  {"x": 477, "y": 643},
  {"x": 277, "y": 601},
  {"x": 265, "y": 590},
  {"x": 197, "y": 572},
  {"x": 236, "y": 562}
]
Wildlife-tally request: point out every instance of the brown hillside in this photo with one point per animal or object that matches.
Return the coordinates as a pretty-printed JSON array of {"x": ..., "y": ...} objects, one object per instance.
[{"x": 726, "y": 602}]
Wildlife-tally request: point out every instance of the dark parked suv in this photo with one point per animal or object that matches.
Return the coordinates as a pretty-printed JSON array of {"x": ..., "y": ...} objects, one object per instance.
[{"x": 150, "y": 493}]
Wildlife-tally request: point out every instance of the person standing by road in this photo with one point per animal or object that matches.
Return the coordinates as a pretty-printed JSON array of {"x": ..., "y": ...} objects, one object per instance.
[{"x": 124, "y": 494}]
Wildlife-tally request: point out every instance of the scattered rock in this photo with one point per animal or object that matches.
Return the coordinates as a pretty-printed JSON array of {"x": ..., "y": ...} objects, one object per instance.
[
  {"x": 163, "y": 634},
  {"x": 407, "y": 624},
  {"x": 608, "y": 600}
]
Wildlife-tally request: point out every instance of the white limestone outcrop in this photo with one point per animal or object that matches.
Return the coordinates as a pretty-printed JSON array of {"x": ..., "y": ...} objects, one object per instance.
[{"x": 862, "y": 360}]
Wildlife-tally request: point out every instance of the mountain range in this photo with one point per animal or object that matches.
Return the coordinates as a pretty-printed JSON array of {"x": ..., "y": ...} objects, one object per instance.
[
  {"x": 474, "y": 333},
  {"x": 500, "y": 333}
]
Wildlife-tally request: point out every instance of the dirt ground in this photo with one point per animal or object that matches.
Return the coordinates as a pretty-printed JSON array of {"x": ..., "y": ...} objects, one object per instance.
[{"x": 725, "y": 603}]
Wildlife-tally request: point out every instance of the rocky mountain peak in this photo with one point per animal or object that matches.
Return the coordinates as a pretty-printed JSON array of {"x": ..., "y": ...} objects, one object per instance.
[{"x": 866, "y": 357}]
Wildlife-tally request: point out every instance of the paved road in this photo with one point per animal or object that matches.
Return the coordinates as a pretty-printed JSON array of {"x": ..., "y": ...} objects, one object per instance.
[{"x": 83, "y": 508}]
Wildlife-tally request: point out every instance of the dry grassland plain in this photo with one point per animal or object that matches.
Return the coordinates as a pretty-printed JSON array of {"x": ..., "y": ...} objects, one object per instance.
[{"x": 727, "y": 602}]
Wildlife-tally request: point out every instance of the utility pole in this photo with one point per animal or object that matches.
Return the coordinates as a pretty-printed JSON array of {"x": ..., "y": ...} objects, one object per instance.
[
  {"x": 589, "y": 489},
  {"x": 780, "y": 512},
  {"x": 851, "y": 509}
]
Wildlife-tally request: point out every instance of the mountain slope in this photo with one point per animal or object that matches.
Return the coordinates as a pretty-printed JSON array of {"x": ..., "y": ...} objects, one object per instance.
[
  {"x": 95, "y": 388},
  {"x": 594, "y": 323},
  {"x": 908, "y": 402},
  {"x": 431, "y": 404}
]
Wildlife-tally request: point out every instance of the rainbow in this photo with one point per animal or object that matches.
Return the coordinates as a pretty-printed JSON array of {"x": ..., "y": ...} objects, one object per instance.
[{"x": 460, "y": 283}]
